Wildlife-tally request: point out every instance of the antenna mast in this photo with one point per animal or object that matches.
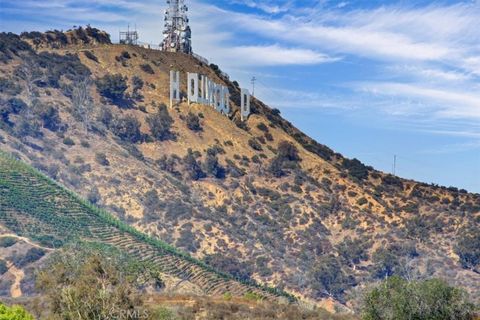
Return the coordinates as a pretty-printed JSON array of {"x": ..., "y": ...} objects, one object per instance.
[
  {"x": 177, "y": 36},
  {"x": 253, "y": 85}
]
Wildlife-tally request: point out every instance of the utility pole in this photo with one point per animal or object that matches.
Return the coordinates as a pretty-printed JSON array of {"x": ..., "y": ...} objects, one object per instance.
[
  {"x": 394, "y": 171},
  {"x": 253, "y": 85}
]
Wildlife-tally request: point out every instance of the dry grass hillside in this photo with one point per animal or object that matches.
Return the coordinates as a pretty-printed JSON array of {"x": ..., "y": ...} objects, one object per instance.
[{"x": 257, "y": 199}]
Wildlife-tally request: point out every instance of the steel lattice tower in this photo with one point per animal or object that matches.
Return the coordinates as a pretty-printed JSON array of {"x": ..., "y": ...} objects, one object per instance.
[{"x": 177, "y": 36}]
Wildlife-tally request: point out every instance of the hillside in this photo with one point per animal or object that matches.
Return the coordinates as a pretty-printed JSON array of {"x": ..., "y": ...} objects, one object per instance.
[
  {"x": 259, "y": 199},
  {"x": 54, "y": 216}
]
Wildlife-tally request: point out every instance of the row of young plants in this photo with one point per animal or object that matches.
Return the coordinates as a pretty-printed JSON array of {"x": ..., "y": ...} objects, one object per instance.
[{"x": 18, "y": 166}]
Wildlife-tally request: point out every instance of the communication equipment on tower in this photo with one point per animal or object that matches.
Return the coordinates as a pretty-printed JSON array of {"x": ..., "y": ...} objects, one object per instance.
[
  {"x": 129, "y": 37},
  {"x": 177, "y": 36}
]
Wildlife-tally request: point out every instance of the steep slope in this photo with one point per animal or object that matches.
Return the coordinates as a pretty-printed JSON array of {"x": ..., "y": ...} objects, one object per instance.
[
  {"x": 257, "y": 199},
  {"x": 54, "y": 216}
]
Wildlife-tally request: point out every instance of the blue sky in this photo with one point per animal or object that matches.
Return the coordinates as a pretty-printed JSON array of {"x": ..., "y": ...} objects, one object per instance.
[{"x": 370, "y": 79}]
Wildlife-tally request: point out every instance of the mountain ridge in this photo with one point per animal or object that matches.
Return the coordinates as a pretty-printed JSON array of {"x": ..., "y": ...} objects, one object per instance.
[{"x": 243, "y": 194}]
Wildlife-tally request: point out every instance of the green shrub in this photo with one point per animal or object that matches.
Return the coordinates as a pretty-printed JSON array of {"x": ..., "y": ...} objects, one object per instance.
[
  {"x": 192, "y": 167},
  {"x": 6, "y": 242},
  {"x": 240, "y": 270},
  {"x": 262, "y": 127},
  {"x": 268, "y": 136},
  {"x": 276, "y": 167},
  {"x": 3, "y": 267},
  {"x": 193, "y": 122},
  {"x": 101, "y": 159},
  {"x": 147, "y": 68},
  {"x": 50, "y": 117},
  {"x": 14, "y": 313},
  {"x": 17, "y": 105},
  {"x": 468, "y": 247},
  {"x": 362, "y": 201},
  {"x": 162, "y": 313},
  {"x": 213, "y": 167},
  {"x": 253, "y": 296},
  {"x": 68, "y": 141},
  {"x": 396, "y": 298},
  {"x": 391, "y": 180},
  {"x": 9, "y": 87},
  {"x": 90, "y": 55},
  {"x": 353, "y": 250},
  {"x": 160, "y": 124},
  {"x": 125, "y": 55},
  {"x": 32, "y": 255},
  {"x": 138, "y": 84},
  {"x": 233, "y": 170},
  {"x": 94, "y": 196},
  {"x": 287, "y": 151},
  {"x": 356, "y": 168},
  {"x": 112, "y": 87},
  {"x": 255, "y": 145},
  {"x": 127, "y": 129}
]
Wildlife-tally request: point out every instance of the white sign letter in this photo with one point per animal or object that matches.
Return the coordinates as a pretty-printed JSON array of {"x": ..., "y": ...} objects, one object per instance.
[
  {"x": 245, "y": 104},
  {"x": 226, "y": 100},
  {"x": 174, "y": 87},
  {"x": 193, "y": 88}
]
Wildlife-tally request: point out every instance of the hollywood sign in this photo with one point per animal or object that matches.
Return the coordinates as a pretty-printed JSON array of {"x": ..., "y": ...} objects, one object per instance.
[{"x": 202, "y": 90}]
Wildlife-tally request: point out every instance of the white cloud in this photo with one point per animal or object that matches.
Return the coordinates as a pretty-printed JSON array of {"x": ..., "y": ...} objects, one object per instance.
[
  {"x": 271, "y": 55},
  {"x": 270, "y": 7},
  {"x": 442, "y": 103}
]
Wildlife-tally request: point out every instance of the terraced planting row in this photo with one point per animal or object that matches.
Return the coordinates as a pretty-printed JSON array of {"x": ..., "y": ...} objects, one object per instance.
[{"x": 33, "y": 206}]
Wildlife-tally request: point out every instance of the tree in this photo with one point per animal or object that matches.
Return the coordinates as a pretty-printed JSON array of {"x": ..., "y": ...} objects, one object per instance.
[
  {"x": 112, "y": 87},
  {"x": 14, "y": 313},
  {"x": 82, "y": 101},
  {"x": 353, "y": 250},
  {"x": 328, "y": 278},
  {"x": 31, "y": 73},
  {"x": 93, "y": 281},
  {"x": 396, "y": 298},
  {"x": 389, "y": 261},
  {"x": 386, "y": 263},
  {"x": 160, "y": 124}
]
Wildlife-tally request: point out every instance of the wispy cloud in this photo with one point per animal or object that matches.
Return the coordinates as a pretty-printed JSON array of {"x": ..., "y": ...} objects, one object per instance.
[
  {"x": 270, "y": 7},
  {"x": 442, "y": 103},
  {"x": 270, "y": 55}
]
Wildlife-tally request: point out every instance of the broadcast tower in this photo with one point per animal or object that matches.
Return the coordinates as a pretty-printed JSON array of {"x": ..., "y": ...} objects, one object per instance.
[{"x": 177, "y": 36}]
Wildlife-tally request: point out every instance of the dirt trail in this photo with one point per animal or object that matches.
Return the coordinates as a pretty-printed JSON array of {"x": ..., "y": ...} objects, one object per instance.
[
  {"x": 15, "y": 289},
  {"x": 25, "y": 240}
]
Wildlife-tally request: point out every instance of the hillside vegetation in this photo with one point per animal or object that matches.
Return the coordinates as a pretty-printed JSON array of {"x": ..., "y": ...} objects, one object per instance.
[
  {"x": 257, "y": 199},
  {"x": 54, "y": 216}
]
